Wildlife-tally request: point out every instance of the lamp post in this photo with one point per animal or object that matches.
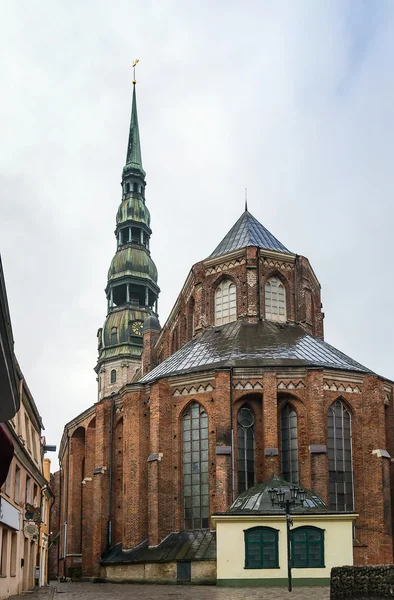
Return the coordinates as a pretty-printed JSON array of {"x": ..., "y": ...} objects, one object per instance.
[{"x": 278, "y": 498}]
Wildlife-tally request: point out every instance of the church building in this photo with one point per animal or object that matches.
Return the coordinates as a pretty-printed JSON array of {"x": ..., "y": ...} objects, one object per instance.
[{"x": 237, "y": 385}]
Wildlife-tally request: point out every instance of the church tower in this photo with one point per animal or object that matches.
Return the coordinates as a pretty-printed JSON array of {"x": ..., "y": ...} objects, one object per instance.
[{"x": 132, "y": 291}]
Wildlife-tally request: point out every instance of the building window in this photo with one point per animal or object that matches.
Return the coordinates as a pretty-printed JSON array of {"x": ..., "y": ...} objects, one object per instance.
[
  {"x": 275, "y": 300},
  {"x": 17, "y": 484},
  {"x": 4, "y": 552},
  {"x": 114, "y": 336},
  {"x": 225, "y": 302},
  {"x": 195, "y": 468},
  {"x": 307, "y": 547},
  {"x": 14, "y": 548},
  {"x": 261, "y": 548},
  {"x": 113, "y": 376},
  {"x": 246, "y": 468},
  {"x": 27, "y": 490},
  {"x": 289, "y": 444},
  {"x": 340, "y": 457}
]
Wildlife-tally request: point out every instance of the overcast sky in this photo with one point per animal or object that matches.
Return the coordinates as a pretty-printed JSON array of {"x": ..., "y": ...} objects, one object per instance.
[{"x": 293, "y": 99}]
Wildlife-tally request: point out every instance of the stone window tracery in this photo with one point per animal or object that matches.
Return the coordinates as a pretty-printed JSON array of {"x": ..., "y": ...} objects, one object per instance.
[
  {"x": 340, "y": 467},
  {"x": 289, "y": 444},
  {"x": 195, "y": 467},
  {"x": 246, "y": 450},
  {"x": 275, "y": 300},
  {"x": 225, "y": 302}
]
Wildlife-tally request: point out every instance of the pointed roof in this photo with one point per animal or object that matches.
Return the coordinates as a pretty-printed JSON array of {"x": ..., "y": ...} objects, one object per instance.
[
  {"x": 248, "y": 231},
  {"x": 133, "y": 158}
]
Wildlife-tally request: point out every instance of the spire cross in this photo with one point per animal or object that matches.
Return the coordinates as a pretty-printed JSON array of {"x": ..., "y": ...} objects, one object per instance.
[{"x": 135, "y": 62}]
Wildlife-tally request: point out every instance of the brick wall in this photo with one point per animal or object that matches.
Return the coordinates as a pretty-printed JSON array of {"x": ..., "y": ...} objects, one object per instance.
[{"x": 147, "y": 501}]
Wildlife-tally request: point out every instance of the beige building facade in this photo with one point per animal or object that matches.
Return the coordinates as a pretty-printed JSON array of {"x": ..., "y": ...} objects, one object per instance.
[{"x": 25, "y": 500}]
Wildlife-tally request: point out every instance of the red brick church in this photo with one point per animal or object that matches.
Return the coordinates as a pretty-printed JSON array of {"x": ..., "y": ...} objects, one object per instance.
[{"x": 238, "y": 382}]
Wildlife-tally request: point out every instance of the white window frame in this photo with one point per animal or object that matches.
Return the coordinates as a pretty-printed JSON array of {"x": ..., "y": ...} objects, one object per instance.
[
  {"x": 225, "y": 302},
  {"x": 275, "y": 300}
]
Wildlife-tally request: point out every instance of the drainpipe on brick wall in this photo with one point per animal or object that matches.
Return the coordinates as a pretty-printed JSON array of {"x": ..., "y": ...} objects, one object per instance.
[
  {"x": 60, "y": 515},
  {"x": 111, "y": 437},
  {"x": 295, "y": 290},
  {"x": 232, "y": 436},
  {"x": 258, "y": 286},
  {"x": 66, "y": 507}
]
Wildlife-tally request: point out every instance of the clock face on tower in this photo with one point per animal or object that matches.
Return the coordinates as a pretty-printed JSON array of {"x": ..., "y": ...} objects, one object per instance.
[{"x": 136, "y": 327}]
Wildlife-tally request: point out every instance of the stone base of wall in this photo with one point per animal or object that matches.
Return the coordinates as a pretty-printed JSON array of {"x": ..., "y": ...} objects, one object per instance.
[
  {"x": 368, "y": 582},
  {"x": 203, "y": 572}
]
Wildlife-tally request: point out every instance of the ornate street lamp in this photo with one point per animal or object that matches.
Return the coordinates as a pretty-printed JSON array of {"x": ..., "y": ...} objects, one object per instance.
[{"x": 296, "y": 498}]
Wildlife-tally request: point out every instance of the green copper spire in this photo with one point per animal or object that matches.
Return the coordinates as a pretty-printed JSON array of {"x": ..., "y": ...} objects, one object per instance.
[{"x": 133, "y": 159}]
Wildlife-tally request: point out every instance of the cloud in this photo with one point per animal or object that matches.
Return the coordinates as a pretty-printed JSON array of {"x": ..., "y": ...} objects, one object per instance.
[{"x": 292, "y": 100}]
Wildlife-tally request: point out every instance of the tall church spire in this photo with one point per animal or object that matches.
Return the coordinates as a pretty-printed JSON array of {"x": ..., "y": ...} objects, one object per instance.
[
  {"x": 133, "y": 158},
  {"x": 132, "y": 291}
]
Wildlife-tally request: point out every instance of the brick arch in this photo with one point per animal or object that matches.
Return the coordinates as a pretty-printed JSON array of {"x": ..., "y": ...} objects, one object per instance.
[
  {"x": 276, "y": 273},
  {"x": 92, "y": 423},
  {"x": 78, "y": 433},
  {"x": 346, "y": 402},
  {"x": 189, "y": 403},
  {"x": 285, "y": 397}
]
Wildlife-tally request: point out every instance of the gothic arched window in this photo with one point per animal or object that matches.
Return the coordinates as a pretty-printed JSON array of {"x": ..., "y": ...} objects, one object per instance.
[
  {"x": 195, "y": 467},
  {"x": 340, "y": 468},
  {"x": 246, "y": 466},
  {"x": 275, "y": 300},
  {"x": 225, "y": 302},
  {"x": 114, "y": 335},
  {"x": 289, "y": 444},
  {"x": 113, "y": 376}
]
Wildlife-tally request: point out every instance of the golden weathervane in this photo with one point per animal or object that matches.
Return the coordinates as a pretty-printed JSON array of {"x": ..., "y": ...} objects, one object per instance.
[{"x": 135, "y": 62}]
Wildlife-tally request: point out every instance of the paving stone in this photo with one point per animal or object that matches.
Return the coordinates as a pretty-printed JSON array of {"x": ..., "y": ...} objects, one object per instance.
[{"x": 104, "y": 591}]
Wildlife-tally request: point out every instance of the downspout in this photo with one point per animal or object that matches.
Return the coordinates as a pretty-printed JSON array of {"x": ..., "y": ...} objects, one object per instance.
[
  {"x": 232, "y": 438},
  {"x": 111, "y": 436},
  {"x": 295, "y": 290},
  {"x": 66, "y": 508},
  {"x": 60, "y": 515},
  {"x": 258, "y": 286}
]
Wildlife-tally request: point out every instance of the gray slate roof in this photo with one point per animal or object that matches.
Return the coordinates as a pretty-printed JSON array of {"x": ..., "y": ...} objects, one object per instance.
[
  {"x": 183, "y": 545},
  {"x": 243, "y": 344},
  {"x": 256, "y": 500},
  {"x": 248, "y": 231}
]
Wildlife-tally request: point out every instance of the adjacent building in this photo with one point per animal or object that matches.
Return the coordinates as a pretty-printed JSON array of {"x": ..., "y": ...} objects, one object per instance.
[
  {"x": 239, "y": 383},
  {"x": 25, "y": 495}
]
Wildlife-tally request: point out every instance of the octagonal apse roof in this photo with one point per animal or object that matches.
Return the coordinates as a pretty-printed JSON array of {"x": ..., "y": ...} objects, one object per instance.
[{"x": 244, "y": 344}]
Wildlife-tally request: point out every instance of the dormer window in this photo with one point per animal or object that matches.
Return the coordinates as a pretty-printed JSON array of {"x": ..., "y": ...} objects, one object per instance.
[
  {"x": 275, "y": 300},
  {"x": 114, "y": 336},
  {"x": 225, "y": 302}
]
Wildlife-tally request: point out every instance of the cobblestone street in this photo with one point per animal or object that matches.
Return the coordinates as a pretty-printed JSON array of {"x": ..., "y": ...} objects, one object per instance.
[{"x": 104, "y": 591}]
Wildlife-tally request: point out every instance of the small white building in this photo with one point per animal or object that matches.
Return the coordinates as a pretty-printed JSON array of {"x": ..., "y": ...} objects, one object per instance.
[{"x": 252, "y": 538}]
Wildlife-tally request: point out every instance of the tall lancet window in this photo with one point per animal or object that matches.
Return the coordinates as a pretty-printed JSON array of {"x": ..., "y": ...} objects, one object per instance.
[
  {"x": 246, "y": 463},
  {"x": 195, "y": 468},
  {"x": 289, "y": 444},
  {"x": 275, "y": 300},
  {"x": 225, "y": 302},
  {"x": 340, "y": 466}
]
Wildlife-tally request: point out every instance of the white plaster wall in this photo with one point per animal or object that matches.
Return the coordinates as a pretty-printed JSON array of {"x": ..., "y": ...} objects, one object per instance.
[{"x": 338, "y": 546}]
